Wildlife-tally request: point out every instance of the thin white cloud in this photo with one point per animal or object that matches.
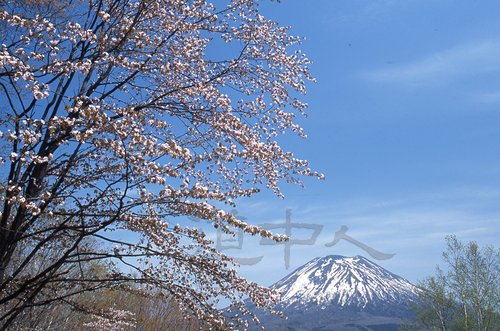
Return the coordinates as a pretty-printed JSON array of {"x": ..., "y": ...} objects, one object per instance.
[
  {"x": 368, "y": 11},
  {"x": 471, "y": 58},
  {"x": 413, "y": 228},
  {"x": 487, "y": 97}
]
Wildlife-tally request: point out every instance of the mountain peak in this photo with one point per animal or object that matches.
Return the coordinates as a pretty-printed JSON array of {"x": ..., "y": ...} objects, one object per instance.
[{"x": 347, "y": 282}]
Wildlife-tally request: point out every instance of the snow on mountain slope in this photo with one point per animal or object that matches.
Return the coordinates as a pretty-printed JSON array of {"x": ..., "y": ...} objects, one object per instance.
[{"x": 347, "y": 282}]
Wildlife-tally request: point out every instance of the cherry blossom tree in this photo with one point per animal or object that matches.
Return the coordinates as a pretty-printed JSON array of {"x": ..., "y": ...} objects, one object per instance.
[{"x": 121, "y": 116}]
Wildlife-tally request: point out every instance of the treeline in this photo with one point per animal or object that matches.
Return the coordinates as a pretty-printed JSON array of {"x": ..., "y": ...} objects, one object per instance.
[
  {"x": 86, "y": 299},
  {"x": 120, "y": 308}
]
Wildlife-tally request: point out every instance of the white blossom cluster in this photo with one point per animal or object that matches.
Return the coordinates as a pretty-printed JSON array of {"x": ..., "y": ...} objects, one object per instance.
[{"x": 111, "y": 320}]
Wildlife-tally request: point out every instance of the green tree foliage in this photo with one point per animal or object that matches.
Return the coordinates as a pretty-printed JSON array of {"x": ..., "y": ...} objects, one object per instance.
[{"x": 465, "y": 295}]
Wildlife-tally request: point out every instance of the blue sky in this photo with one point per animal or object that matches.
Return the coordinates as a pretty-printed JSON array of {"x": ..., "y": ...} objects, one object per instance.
[{"x": 404, "y": 122}]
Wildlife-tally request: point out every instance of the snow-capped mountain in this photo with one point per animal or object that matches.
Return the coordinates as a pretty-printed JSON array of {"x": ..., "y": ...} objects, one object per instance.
[
  {"x": 348, "y": 282},
  {"x": 341, "y": 293}
]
